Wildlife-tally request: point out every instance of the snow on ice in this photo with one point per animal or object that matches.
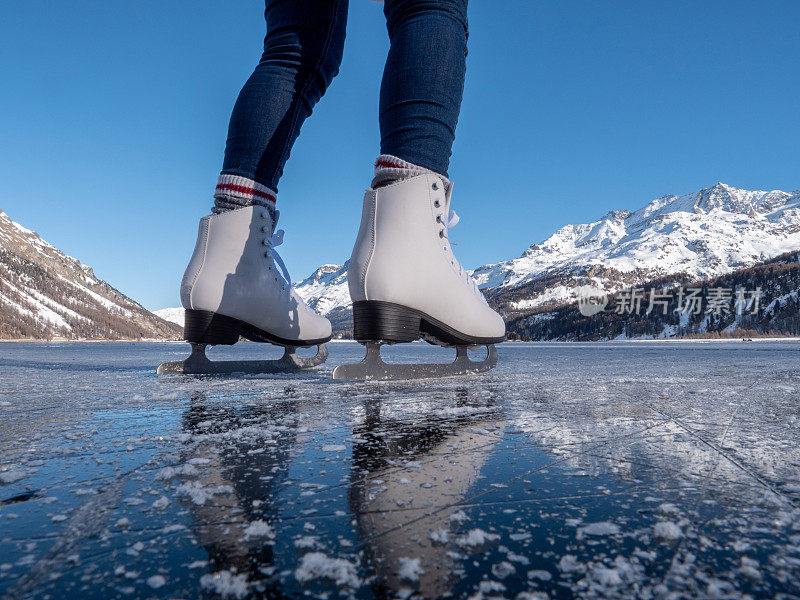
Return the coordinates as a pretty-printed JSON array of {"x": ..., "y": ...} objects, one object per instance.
[{"x": 316, "y": 565}]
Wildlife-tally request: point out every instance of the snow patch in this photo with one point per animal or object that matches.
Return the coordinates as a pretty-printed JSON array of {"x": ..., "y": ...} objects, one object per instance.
[
  {"x": 12, "y": 475},
  {"x": 259, "y": 529},
  {"x": 667, "y": 531},
  {"x": 199, "y": 494},
  {"x": 156, "y": 581},
  {"x": 184, "y": 470},
  {"x": 409, "y": 568},
  {"x": 439, "y": 536},
  {"x": 173, "y": 315},
  {"x": 333, "y": 447},
  {"x": 602, "y": 528},
  {"x": 503, "y": 569},
  {"x": 316, "y": 565},
  {"x": 226, "y": 584},
  {"x": 477, "y": 537}
]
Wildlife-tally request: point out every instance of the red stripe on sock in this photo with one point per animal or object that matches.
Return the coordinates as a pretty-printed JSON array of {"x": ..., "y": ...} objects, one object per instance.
[
  {"x": 240, "y": 189},
  {"x": 385, "y": 164}
]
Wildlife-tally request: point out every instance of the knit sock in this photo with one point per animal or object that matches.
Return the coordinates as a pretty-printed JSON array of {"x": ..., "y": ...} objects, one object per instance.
[
  {"x": 389, "y": 169},
  {"x": 234, "y": 192}
]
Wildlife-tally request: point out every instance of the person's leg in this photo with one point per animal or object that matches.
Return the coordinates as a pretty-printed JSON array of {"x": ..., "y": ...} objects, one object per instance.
[
  {"x": 403, "y": 278},
  {"x": 423, "y": 83},
  {"x": 236, "y": 284},
  {"x": 302, "y": 52}
]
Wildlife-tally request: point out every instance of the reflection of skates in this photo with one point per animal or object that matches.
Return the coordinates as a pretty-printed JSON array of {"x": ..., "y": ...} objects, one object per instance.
[
  {"x": 406, "y": 284},
  {"x": 233, "y": 289},
  {"x": 412, "y": 475}
]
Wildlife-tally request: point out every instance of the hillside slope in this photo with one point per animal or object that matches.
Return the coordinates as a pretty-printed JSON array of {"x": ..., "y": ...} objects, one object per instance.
[
  {"x": 761, "y": 300},
  {"x": 44, "y": 294}
]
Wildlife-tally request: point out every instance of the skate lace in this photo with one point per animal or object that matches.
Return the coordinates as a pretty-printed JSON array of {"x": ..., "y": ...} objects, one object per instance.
[
  {"x": 450, "y": 220},
  {"x": 276, "y": 239}
]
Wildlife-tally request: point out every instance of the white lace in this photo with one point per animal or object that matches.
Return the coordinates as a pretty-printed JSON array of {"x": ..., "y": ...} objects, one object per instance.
[
  {"x": 450, "y": 220},
  {"x": 276, "y": 239}
]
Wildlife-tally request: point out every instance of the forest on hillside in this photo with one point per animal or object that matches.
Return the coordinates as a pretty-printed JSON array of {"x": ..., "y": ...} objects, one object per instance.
[{"x": 763, "y": 300}]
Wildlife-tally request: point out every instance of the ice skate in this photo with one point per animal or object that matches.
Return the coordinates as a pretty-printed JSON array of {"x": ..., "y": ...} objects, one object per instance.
[
  {"x": 406, "y": 284},
  {"x": 232, "y": 289}
]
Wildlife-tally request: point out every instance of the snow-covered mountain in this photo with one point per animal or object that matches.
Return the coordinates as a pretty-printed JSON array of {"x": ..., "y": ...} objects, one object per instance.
[
  {"x": 325, "y": 290},
  {"x": 701, "y": 235},
  {"x": 704, "y": 234},
  {"x": 754, "y": 301},
  {"x": 173, "y": 315},
  {"x": 44, "y": 293}
]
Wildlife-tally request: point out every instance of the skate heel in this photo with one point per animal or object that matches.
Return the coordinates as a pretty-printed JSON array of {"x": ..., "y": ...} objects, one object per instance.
[
  {"x": 206, "y": 327},
  {"x": 374, "y": 321}
]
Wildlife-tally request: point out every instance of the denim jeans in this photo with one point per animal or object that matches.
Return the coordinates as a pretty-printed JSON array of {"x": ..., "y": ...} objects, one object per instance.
[{"x": 420, "y": 97}]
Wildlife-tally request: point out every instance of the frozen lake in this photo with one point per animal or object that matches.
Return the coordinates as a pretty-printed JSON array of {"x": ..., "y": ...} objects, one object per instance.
[{"x": 643, "y": 470}]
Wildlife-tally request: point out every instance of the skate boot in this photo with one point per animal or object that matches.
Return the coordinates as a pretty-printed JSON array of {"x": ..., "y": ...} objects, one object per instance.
[
  {"x": 406, "y": 284},
  {"x": 232, "y": 289}
]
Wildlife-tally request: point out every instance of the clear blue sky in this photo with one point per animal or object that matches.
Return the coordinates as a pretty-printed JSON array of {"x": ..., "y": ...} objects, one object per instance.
[{"x": 113, "y": 118}]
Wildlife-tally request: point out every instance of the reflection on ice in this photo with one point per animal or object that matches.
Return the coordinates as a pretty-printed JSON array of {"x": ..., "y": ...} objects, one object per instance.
[{"x": 409, "y": 477}]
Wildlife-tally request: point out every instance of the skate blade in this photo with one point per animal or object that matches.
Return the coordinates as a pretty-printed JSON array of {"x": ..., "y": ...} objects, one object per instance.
[
  {"x": 372, "y": 368},
  {"x": 199, "y": 364}
]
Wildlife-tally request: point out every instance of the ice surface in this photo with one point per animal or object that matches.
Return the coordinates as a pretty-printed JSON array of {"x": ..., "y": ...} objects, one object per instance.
[{"x": 573, "y": 470}]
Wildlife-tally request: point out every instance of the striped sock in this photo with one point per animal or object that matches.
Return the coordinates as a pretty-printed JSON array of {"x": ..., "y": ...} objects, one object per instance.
[
  {"x": 389, "y": 169},
  {"x": 234, "y": 192}
]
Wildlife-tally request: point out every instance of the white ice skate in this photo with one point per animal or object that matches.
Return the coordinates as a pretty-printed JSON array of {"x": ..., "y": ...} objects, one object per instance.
[
  {"x": 406, "y": 284},
  {"x": 232, "y": 289}
]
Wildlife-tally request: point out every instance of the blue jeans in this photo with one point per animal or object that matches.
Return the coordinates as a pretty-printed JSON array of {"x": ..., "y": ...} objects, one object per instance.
[{"x": 420, "y": 98}]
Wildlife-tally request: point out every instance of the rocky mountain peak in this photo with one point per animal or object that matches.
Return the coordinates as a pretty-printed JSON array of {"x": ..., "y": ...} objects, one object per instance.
[
  {"x": 721, "y": 196},
  {"x": 617, "y": 215}
]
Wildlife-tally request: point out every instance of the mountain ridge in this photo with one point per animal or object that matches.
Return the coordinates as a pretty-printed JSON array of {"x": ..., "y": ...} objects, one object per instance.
[
  {"x": 45, "y": 293},
  {"x": 671, "y": 234}
]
